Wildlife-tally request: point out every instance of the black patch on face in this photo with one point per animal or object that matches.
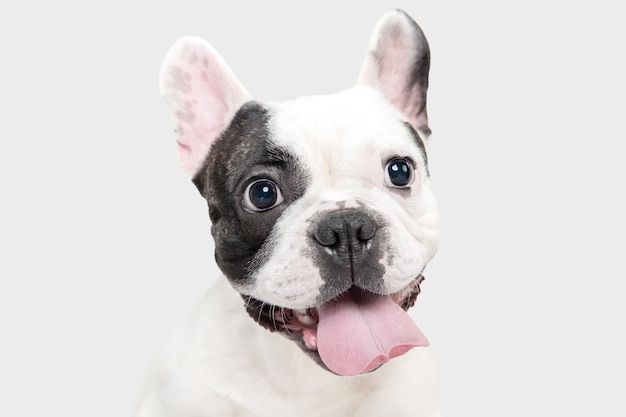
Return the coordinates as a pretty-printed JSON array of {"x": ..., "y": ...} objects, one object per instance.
[{"x": 243, "y": 154}]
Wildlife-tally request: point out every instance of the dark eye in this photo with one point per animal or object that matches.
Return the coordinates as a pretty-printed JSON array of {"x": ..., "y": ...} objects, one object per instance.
[
  {"x": 398, "y": 173},
  {"x": 262, "y": 195}
]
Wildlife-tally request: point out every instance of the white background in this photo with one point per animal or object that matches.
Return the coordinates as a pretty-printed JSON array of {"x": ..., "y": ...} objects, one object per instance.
[{"x": 105, "y": 243}]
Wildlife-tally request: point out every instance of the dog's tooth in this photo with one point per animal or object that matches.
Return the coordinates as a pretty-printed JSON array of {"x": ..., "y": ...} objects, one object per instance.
[
  {"x": 305, "y": 317},
  {"x": 306, "y": 320}
]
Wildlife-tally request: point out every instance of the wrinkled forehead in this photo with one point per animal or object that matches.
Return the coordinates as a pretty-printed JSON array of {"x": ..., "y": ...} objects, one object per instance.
[{"x": 358, "y": 122}]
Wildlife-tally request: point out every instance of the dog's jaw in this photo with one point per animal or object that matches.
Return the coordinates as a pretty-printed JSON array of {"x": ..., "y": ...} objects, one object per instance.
[{"x": 301, "y": 325}]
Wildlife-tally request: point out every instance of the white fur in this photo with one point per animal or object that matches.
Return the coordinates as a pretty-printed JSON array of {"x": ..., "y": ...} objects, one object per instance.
[{"x": 222, "y": 364}]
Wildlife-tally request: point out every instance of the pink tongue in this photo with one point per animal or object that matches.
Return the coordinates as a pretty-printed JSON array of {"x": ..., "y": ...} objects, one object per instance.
[{"x": 361, "y": 331}]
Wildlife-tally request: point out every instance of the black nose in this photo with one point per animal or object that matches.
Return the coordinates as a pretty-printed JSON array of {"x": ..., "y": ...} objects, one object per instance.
[{"x": 346, "y": 233}]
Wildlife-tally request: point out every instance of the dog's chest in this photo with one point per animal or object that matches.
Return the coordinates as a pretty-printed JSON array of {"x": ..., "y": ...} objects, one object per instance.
[{"x": 223, "y": 363}]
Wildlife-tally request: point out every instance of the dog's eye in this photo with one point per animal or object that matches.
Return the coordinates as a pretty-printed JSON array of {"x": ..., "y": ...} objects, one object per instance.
[
  {"x": 399, "y": 173},
  {"x": 261, "y": 195}
]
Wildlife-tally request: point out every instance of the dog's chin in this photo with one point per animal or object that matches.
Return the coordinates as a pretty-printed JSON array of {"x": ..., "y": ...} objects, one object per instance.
[{"x": 301, "y": 325}]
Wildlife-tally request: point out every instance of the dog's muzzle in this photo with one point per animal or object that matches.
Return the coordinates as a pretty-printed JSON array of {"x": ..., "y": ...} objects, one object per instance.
[{"x": 356, "y": 325}]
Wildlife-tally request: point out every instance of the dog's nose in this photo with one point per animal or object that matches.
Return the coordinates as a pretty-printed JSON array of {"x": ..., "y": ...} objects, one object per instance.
[{"x": 347, "y": 233}]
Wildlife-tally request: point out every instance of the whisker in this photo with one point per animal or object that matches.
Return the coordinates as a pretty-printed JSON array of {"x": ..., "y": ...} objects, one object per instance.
[
  {"x": 248, "y": 300},
  {"x": 381, "y": 286},
  {"x": 285, "y": 320},
  {"x": 273, "y": 317},
  {"x": 260, "y": 312}
]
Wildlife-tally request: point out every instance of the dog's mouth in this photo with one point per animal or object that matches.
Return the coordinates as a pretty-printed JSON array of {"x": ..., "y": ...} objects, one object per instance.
[{"x": 354, "y": 333}]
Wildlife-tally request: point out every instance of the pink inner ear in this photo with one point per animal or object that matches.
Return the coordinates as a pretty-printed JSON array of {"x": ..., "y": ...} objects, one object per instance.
[
  {"x": 395, "y": 53},
  {"x": 394, "y": 72},
  {"x": 203, "y": 95}
]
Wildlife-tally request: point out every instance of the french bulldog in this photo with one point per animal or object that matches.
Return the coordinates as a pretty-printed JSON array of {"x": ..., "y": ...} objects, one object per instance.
[{"x": 323, "y": 219}]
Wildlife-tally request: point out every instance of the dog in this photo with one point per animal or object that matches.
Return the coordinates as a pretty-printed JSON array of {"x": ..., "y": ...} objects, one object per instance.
[{"x": 323, "y": 219}]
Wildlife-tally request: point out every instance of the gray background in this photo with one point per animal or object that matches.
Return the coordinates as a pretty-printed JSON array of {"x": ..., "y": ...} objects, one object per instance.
[{"x": 105, "y": 243}]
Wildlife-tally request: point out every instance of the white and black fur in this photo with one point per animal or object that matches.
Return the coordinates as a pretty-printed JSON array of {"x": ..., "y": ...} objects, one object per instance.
[{"x": 305, "y": 208}]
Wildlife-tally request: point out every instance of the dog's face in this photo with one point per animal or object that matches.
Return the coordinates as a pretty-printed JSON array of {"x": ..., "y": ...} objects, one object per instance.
[{"x": 323, "y": 216}]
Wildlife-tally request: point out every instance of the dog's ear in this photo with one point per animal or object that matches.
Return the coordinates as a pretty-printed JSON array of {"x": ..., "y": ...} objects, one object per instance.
[
  {"x": 397, "y": 65},
  {"x": 203, "y": 95}
]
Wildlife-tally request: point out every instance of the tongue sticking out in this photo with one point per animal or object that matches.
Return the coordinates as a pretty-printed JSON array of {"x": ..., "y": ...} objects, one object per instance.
[{"x": 360, "y": 331}]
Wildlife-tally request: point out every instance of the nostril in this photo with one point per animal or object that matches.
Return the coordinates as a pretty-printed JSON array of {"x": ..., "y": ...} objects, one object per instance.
[
  {"x": 331, "y": 231},
  {"x": 367, "y": 231},
  {"x": 345, "y": 229},
  {"x": 326, "y": 236}
]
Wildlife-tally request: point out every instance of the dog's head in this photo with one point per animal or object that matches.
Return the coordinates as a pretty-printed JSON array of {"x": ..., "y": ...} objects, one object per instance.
[{"x": 321, "y": 207}]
